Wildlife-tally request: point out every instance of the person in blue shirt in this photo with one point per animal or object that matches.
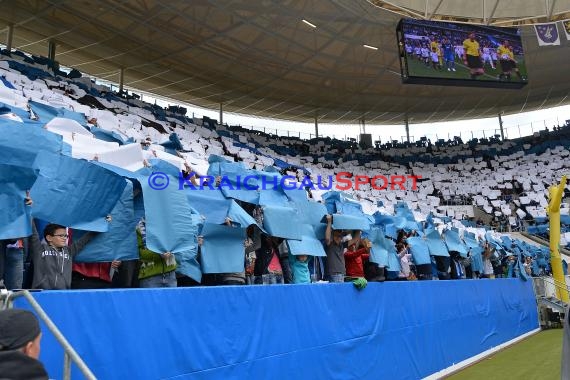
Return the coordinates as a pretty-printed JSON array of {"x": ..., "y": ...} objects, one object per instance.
[{"x": 448, "y": 54}]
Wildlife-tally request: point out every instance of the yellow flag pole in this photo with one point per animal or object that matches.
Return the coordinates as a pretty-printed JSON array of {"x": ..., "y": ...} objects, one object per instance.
[{"x": 555, "y": 193}]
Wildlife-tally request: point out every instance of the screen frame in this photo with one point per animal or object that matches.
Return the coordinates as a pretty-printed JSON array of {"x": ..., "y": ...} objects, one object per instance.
[{"x": 458, "y": 82}]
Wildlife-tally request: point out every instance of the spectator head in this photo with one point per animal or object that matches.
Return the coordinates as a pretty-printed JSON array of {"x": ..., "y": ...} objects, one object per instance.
[
  {"x": 20, "y": 330},
  {"x": 302, "y": 258},
  {"x": 337, "y": 236},
  {"x": 357, "y": 234},
  {"x": 55, "y": 235},
  {"x": 276, "y": 240}
]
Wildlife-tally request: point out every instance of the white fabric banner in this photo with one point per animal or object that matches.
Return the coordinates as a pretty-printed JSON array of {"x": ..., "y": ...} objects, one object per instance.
[
  {"x": 60, "y": 124},
  {"x": 128, "y": 157}
]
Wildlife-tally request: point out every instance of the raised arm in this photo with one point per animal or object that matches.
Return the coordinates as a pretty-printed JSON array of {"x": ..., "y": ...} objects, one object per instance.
[
  {"x": 328, "y": 231},
  {"x": 359, "y": 252},
  {"x": 355, "y": 239},
  {"x": 77, "y": 246},
  {"x": 256, "y": 241},
  {"x": 488, "y": 251},
  {"x": 35, "y": 243}
]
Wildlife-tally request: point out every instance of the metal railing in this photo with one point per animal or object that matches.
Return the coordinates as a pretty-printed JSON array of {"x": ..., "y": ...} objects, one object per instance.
[
  {"x": 540, "y": 288},
  {"x": 69, "y": 354}
]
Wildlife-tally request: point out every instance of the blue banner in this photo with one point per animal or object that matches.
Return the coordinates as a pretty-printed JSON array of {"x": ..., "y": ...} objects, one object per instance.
[
  {"x": 110, "y": 136},
  {"x": 308, "y": 245},
  {"x": 384, "y": 220},
  {"x": 120, "y": 241},
  {"x": 161, "y": 166},
  {"x": 350, "y": 222},
  {"x": 476, "y": 259},
  {"x": 168, "y": 220},
  {"x": 281, "y": 222},
  {"x": 470, "y": 239},
  {"x": 296, "y": 195},
  {"x": 435, "y": 244},
  {"x": 22, "y": 113},
  {"x": 379, "y": 251},
  {"x": 187, "y": 261},
  {"x": 46, "y": 113},
  {"x": 74, "y": 193},
  {"x": 239, "y": 216},
  {"x": 223, "y": 249},
  {"x": 454, "y": 242},
  {"x": 419, "y": 250},
  {"x": 237, "y": 181},
  {"x": 210, "y": 203},
  {"x": 21, "y": 143},
  {"x": 22, "y": 177},
  {"x": 173, "y": 144},
  {"x": 15, "y": 218},
  {"x": 311, "y": 212}
]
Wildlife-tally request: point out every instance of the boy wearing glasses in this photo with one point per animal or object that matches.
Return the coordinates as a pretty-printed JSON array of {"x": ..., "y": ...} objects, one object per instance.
[{"x": 52, "y": 260}]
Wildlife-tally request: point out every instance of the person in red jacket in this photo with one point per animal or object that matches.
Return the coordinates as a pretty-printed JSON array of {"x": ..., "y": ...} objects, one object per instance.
[
  {"x": 93, "y": 275},
  {"x": 355, "y": 255}
]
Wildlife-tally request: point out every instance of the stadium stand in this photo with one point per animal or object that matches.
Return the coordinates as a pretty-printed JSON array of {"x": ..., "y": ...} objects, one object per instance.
[{"x": 410, "y": 234}]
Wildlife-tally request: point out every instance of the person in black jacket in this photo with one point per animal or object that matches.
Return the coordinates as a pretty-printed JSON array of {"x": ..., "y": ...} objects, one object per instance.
[
  {"x": 268, "y": 256},
  {"x": 20, "y": 337}
]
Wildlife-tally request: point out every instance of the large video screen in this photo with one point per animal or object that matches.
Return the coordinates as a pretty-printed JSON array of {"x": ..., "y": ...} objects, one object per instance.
[{"x": 446, "y": 53}]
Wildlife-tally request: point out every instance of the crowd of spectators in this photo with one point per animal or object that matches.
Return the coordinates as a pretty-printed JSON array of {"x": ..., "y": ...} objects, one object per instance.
[{"x": 27, "y": 262}]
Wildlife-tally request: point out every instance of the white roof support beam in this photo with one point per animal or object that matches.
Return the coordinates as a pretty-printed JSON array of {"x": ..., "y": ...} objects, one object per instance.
[{"x": 435, "y": 9}]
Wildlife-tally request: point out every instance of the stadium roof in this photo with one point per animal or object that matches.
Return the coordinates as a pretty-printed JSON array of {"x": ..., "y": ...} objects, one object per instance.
[{"x": 260, "y": 58}]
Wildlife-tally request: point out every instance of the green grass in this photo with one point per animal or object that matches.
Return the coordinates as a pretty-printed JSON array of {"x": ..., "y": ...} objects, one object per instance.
[
  {"x": 417, "y": 68},
  {"x": 537, "y": 357}
]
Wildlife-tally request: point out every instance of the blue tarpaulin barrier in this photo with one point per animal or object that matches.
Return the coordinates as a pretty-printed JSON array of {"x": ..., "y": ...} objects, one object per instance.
[{"x": 185, "y": 333}]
